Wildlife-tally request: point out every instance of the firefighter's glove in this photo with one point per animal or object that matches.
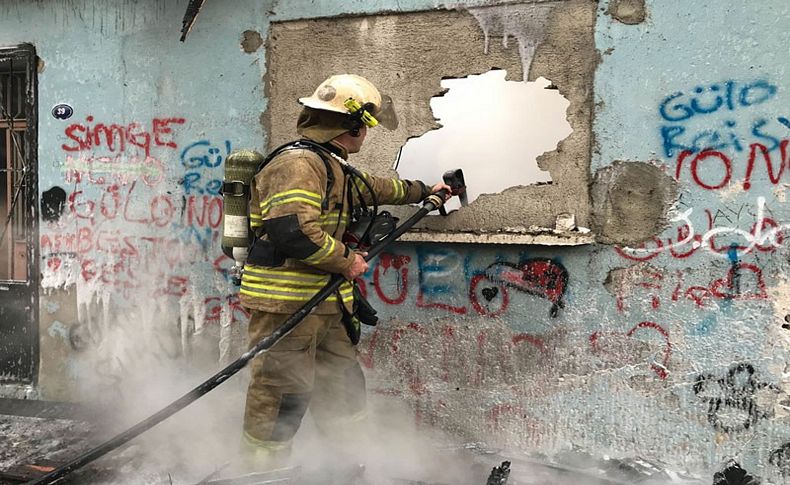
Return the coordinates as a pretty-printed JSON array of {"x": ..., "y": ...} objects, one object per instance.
[
  {"x": 363, "y": 313},
  {"x": 352, "y": 326},
  {"x": 363, "y": 310}
]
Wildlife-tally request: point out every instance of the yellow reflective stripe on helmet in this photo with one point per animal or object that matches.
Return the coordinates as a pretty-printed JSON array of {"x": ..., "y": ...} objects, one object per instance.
[
  {"x": 296, "y": 195},
  {"x": 326, "y": 250},
  {"x": 254, "y": 215},
  {"x": 353, "y": 106}
]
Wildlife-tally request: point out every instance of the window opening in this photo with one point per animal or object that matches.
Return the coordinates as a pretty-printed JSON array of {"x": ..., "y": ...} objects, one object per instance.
[
  {"x": 493, "y": 129},
  {"x": 14, "y": 185}
]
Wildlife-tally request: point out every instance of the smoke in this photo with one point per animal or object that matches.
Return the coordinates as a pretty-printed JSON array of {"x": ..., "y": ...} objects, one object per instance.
[{"x": 135, "y": 355}]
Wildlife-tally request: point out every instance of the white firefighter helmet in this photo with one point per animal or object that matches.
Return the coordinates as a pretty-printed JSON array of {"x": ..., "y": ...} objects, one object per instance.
[{"x": 356, "y": 96}]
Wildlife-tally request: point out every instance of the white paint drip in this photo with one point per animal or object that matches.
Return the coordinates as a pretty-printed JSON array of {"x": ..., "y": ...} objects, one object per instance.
[
  {"x": 65, "y": 275},
  {"x": 225, "y": 320},
  {"x": 524, "y": 22}
]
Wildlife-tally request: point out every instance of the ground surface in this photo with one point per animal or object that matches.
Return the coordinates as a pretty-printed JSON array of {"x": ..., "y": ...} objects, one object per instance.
[{"x": 49, "y": 436}]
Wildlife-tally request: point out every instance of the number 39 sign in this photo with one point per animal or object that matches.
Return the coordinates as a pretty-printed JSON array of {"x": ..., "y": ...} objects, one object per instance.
[{"x": 62, "y": 111}]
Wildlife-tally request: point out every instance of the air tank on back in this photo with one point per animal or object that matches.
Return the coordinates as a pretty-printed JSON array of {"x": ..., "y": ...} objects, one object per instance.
[{"x": 240, "y": 168}]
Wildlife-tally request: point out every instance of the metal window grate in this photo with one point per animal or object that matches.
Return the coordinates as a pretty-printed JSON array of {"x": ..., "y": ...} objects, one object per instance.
[
  {"x": 14, "y": 177},
  {"x": 13, "y": 81}
]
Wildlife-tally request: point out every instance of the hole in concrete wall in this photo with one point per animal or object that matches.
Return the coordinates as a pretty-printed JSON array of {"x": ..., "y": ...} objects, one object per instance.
[{"x": 493, "y": 129}]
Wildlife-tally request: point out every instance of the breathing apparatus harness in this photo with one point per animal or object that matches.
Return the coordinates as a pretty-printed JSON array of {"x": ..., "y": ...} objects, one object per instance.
[
  {"x": 376, "y": 227},
  {"x": 366, "y": 225}
]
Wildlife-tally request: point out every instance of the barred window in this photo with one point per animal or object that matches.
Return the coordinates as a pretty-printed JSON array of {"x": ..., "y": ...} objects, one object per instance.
[{"x": 14, "y": 186}]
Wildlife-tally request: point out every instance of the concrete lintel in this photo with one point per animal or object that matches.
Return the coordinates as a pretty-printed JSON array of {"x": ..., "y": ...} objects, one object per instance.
[{"x": 542, "y": 238}]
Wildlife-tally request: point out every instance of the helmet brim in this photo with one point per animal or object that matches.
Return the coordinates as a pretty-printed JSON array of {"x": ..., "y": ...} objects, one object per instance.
[{"x": 386, "y": 115}]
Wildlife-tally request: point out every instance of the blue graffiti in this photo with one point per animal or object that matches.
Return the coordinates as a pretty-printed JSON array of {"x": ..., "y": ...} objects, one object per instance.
[
  {"x": 725, "y": 97},
  {"x": 705, "y": 326},
  {"x": 205, "y": 238},
  {"x": 203, "y": 154},
  {"x": 434, "y": 266},
  {"x": 198, "y": 158},
  {"x": 676, "y": 139},
  {"x": 729, "y": 96},
  {"x": 194, "y": 183}
]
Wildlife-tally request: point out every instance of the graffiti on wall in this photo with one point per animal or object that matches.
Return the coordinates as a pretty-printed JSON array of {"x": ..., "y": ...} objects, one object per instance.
[
  {"x": 732, "y": 399},
  {"x": 723, "y": 232},
  {"x": 780, "y": 458},
  {"x": 462, "y": 357},
  {"x": 718, "y": 107},
  {"x": 141, "y": 213},
  {"x": 645, "y": 283},
  {"x": 452, "y": 282},
  {"x": 723, "y": 140}
]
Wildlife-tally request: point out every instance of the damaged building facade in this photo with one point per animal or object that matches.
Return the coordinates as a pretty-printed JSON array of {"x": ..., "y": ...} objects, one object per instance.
[{"x": 635, "y": 305}]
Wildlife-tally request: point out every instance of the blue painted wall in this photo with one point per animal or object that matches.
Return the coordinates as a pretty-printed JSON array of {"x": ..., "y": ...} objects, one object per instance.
[{"x": 672, "y": 351}]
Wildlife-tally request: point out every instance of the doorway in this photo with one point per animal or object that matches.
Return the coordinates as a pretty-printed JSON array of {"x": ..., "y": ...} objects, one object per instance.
[{"x": 18, "y": 215}]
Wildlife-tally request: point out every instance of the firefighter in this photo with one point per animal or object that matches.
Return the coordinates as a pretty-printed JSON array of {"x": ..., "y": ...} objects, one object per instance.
[{"x": 301, "y": 203}]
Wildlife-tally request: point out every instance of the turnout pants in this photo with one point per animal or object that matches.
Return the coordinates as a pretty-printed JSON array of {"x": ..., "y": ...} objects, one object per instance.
[{"x": 314, "y": 367}]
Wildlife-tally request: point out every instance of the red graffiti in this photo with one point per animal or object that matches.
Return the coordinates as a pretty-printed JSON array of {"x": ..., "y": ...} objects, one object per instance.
[
  {"x": 231, "y": 304},
  {"x": 743, "y": 281},
  {"x": 421, "y": 303},
  {"x": 468, "y": 359},
  {"x": 659, "y": 369},
  {"x": 487, "y": 291},
  {"x": 711, "y": 158},
  {"x": 530, "y": 339},
  {"x": 398, "y": 263},
  {"x": 726, "y": 288},
  {"x": 540, "y": 277},
  {"x": 484, "y": 309},
  {"x": 161, "y": 210},
  {"x": 774, "y": 177},
  {"x": 701, "y": 157},
  {"x": 686, "y": 244},
  {"x": 396, "y": 344},
  {"x": 116, "y": 138}
]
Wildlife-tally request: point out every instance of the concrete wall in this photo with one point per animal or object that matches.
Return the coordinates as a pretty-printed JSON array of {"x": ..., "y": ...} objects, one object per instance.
[{"x": 672, "y": 349}]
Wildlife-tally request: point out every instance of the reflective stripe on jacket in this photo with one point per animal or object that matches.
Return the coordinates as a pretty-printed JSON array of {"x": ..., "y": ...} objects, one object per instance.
[{"x": 290, "y": 207}]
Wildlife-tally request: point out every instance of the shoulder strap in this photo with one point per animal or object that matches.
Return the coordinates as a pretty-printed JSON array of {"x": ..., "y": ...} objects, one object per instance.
[{"x": 313, "y": 147}]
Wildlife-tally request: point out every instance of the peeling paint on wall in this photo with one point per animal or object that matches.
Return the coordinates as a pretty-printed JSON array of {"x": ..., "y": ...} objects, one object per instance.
[
  {"x": 629, "y": 12},
  {"x": 630, "y": 202},
  {"x": 251, "y": 41}
]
